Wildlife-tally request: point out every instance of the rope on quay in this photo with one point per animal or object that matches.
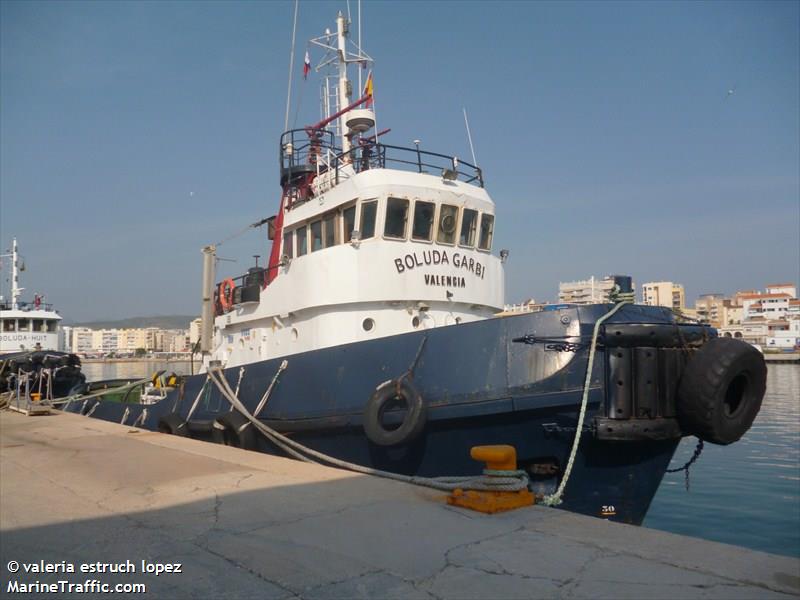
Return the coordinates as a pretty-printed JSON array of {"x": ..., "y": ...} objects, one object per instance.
[
  {"x": 555, "y": 499},
  {"x": 509, "y": 481}
]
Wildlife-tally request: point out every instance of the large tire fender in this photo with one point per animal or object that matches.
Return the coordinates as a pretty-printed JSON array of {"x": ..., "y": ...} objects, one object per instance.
[
  {"x": 173, "y": 424},
  {"x": 385, "y": 396},
  {"x": 234, "y": 429},
  {"x": 721, "y": 390}
]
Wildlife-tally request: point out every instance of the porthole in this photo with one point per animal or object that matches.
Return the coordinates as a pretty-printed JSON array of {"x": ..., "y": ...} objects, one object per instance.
[
  {"x": 415, "y": 322},
  {"x": 458, "y": 320},
  {"x": 368, "y": 324}
]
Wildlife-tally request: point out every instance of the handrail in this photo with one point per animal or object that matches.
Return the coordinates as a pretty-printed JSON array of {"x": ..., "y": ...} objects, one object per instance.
[
  {"x": 376, "y": 155},
  {"x": 27, "y": 306},
  {"x": 302, "y": 150}
]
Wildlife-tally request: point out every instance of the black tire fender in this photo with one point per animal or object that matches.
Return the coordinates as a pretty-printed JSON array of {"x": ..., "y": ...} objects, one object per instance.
[
  {"x": 721, "y": 390},
  {"x": 234, "y": 429},
  {"x": 386, "y": 396},
  {"x": 173, "y": 424}
]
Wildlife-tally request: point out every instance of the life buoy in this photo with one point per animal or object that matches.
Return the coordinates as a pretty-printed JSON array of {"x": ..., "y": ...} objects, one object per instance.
[
  {"x": 173, "y": 424},
  {"x": 394, "y": 393},
  {"x": 234, "y": 429},
  {"x": 448, "y": 223},
  {"x": 226, "y": 294},
  {"x": 720, "y": 392}
]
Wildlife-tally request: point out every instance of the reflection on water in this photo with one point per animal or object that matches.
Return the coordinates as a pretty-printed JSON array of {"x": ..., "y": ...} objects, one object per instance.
[
  {"x": 96, "y": 371},
  {"x": 747, "y": 493}
]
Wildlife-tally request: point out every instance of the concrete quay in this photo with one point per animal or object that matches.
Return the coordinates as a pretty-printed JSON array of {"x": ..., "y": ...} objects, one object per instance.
[{"x": 77, "y": 491}]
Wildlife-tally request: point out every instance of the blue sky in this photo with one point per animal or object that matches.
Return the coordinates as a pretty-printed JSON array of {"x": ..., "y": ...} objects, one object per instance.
[{"x": 131, "y": 134}]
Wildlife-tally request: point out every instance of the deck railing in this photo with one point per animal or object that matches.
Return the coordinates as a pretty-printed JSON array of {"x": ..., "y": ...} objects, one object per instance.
[
  {"x": 375, "y": 155},
  {"x": 313, "y": 151},
  {"x": 26, "y": 306}
]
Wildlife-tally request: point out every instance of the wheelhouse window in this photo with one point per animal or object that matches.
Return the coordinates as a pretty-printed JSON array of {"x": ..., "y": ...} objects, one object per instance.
[
  {"x": 316, "y": 236},
  {"x": 9, "y": 325},
  {"x": 23, "y": 325},
  {"x": 329, "y": 230},
  {"x": 288, "y": 244},
  {"x": 51, "y": 326},
  {"x": 487, "y": 230},
  {"x": 422, "y": 228},
  {"x": 448, "y": 219},
  {"x": 369, "y": 210},
  {"x": 38, "y": 325},
  {"x": 302, "y": 241},
  {"x": 349, "y": 222},
  {"x": 469, "y": 221},
  {"x": 396, "y": 218}
]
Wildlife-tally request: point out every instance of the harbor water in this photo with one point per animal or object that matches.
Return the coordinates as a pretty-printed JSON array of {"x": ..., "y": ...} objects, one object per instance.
[
  {"x": 746, "y": 494},
  {"x": 140, "y": 369}
]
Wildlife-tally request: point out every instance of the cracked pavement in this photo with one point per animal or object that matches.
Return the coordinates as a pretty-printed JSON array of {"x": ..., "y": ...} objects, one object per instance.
[{"x": 248, "y": 525}]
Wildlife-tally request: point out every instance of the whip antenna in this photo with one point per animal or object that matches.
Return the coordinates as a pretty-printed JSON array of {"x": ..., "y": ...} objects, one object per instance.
[
  {"x": 291, "y": 68},
  {"x": 469, "y": 137}
]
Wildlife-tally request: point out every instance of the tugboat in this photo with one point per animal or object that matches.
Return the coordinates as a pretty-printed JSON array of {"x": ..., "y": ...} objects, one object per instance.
[
  {"x": 375, "y": 334},
  {"x": 25, "y": 325},
  {"x": 29, "y": 342}
]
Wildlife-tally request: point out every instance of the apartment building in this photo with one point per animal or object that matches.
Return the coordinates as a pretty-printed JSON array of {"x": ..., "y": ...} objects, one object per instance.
[
  {"x": 664, "y": 293},
  {"x": 588, "y": 291},
  {"x": 710, "y": 308}
]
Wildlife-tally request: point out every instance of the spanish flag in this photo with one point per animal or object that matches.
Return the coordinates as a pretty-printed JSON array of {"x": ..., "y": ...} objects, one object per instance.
[{"x": 368, "y": 90}]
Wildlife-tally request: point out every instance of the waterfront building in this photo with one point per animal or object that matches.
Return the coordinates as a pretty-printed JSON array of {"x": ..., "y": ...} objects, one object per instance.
[
  {"x": 194, "y": 331},
  {"x": 734, "y": 331},
  {"x": 784, "y": 334},
  {"x": 782, "y": 288},
  {"x": 65, "y": 339},
  {"x": 81, "y": 340},
  {"x": 664, "y": 293},
  {"x": 770, "y": 305},
  {"x": 755, "y": 331},
  {"x": 587, "y": 291},
  {"x": 709, "y": 308},
  {"x": 129, "y": 340}
]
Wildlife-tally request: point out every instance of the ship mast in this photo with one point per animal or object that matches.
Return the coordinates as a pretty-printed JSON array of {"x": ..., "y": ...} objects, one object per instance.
[
  {"x": 16, "y": 291},
  {"x": 337, "y": 89},
  {"x": 345, "y": 88}
]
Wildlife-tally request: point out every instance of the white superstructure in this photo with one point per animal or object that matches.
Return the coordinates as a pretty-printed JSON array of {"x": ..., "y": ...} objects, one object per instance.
[
  {"x": 371, "y": 240},
  {"x": 25, "y": 325}
]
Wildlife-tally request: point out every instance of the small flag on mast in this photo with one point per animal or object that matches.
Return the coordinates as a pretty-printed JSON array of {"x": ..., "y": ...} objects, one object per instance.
[
  {"x": 368, "y": 90},
  {"x": 306, "y": 65}
]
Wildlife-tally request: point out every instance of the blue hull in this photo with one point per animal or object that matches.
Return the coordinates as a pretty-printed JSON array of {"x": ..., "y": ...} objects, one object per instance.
[{"x": 481, "y": 385}]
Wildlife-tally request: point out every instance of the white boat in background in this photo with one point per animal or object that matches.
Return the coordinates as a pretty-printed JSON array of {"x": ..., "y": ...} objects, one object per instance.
[{"x": 26, "y": 326}]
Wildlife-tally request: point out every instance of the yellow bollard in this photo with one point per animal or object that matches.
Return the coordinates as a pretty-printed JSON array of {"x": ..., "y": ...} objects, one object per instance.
[{"x": 497, "y": 458}]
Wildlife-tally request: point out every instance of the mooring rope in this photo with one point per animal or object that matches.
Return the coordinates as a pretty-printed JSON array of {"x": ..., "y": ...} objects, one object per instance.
[
  {"x": 555, "y": 499},
  {"x": 103, "y": 392},
  {"x": 508, "y": 481}
]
